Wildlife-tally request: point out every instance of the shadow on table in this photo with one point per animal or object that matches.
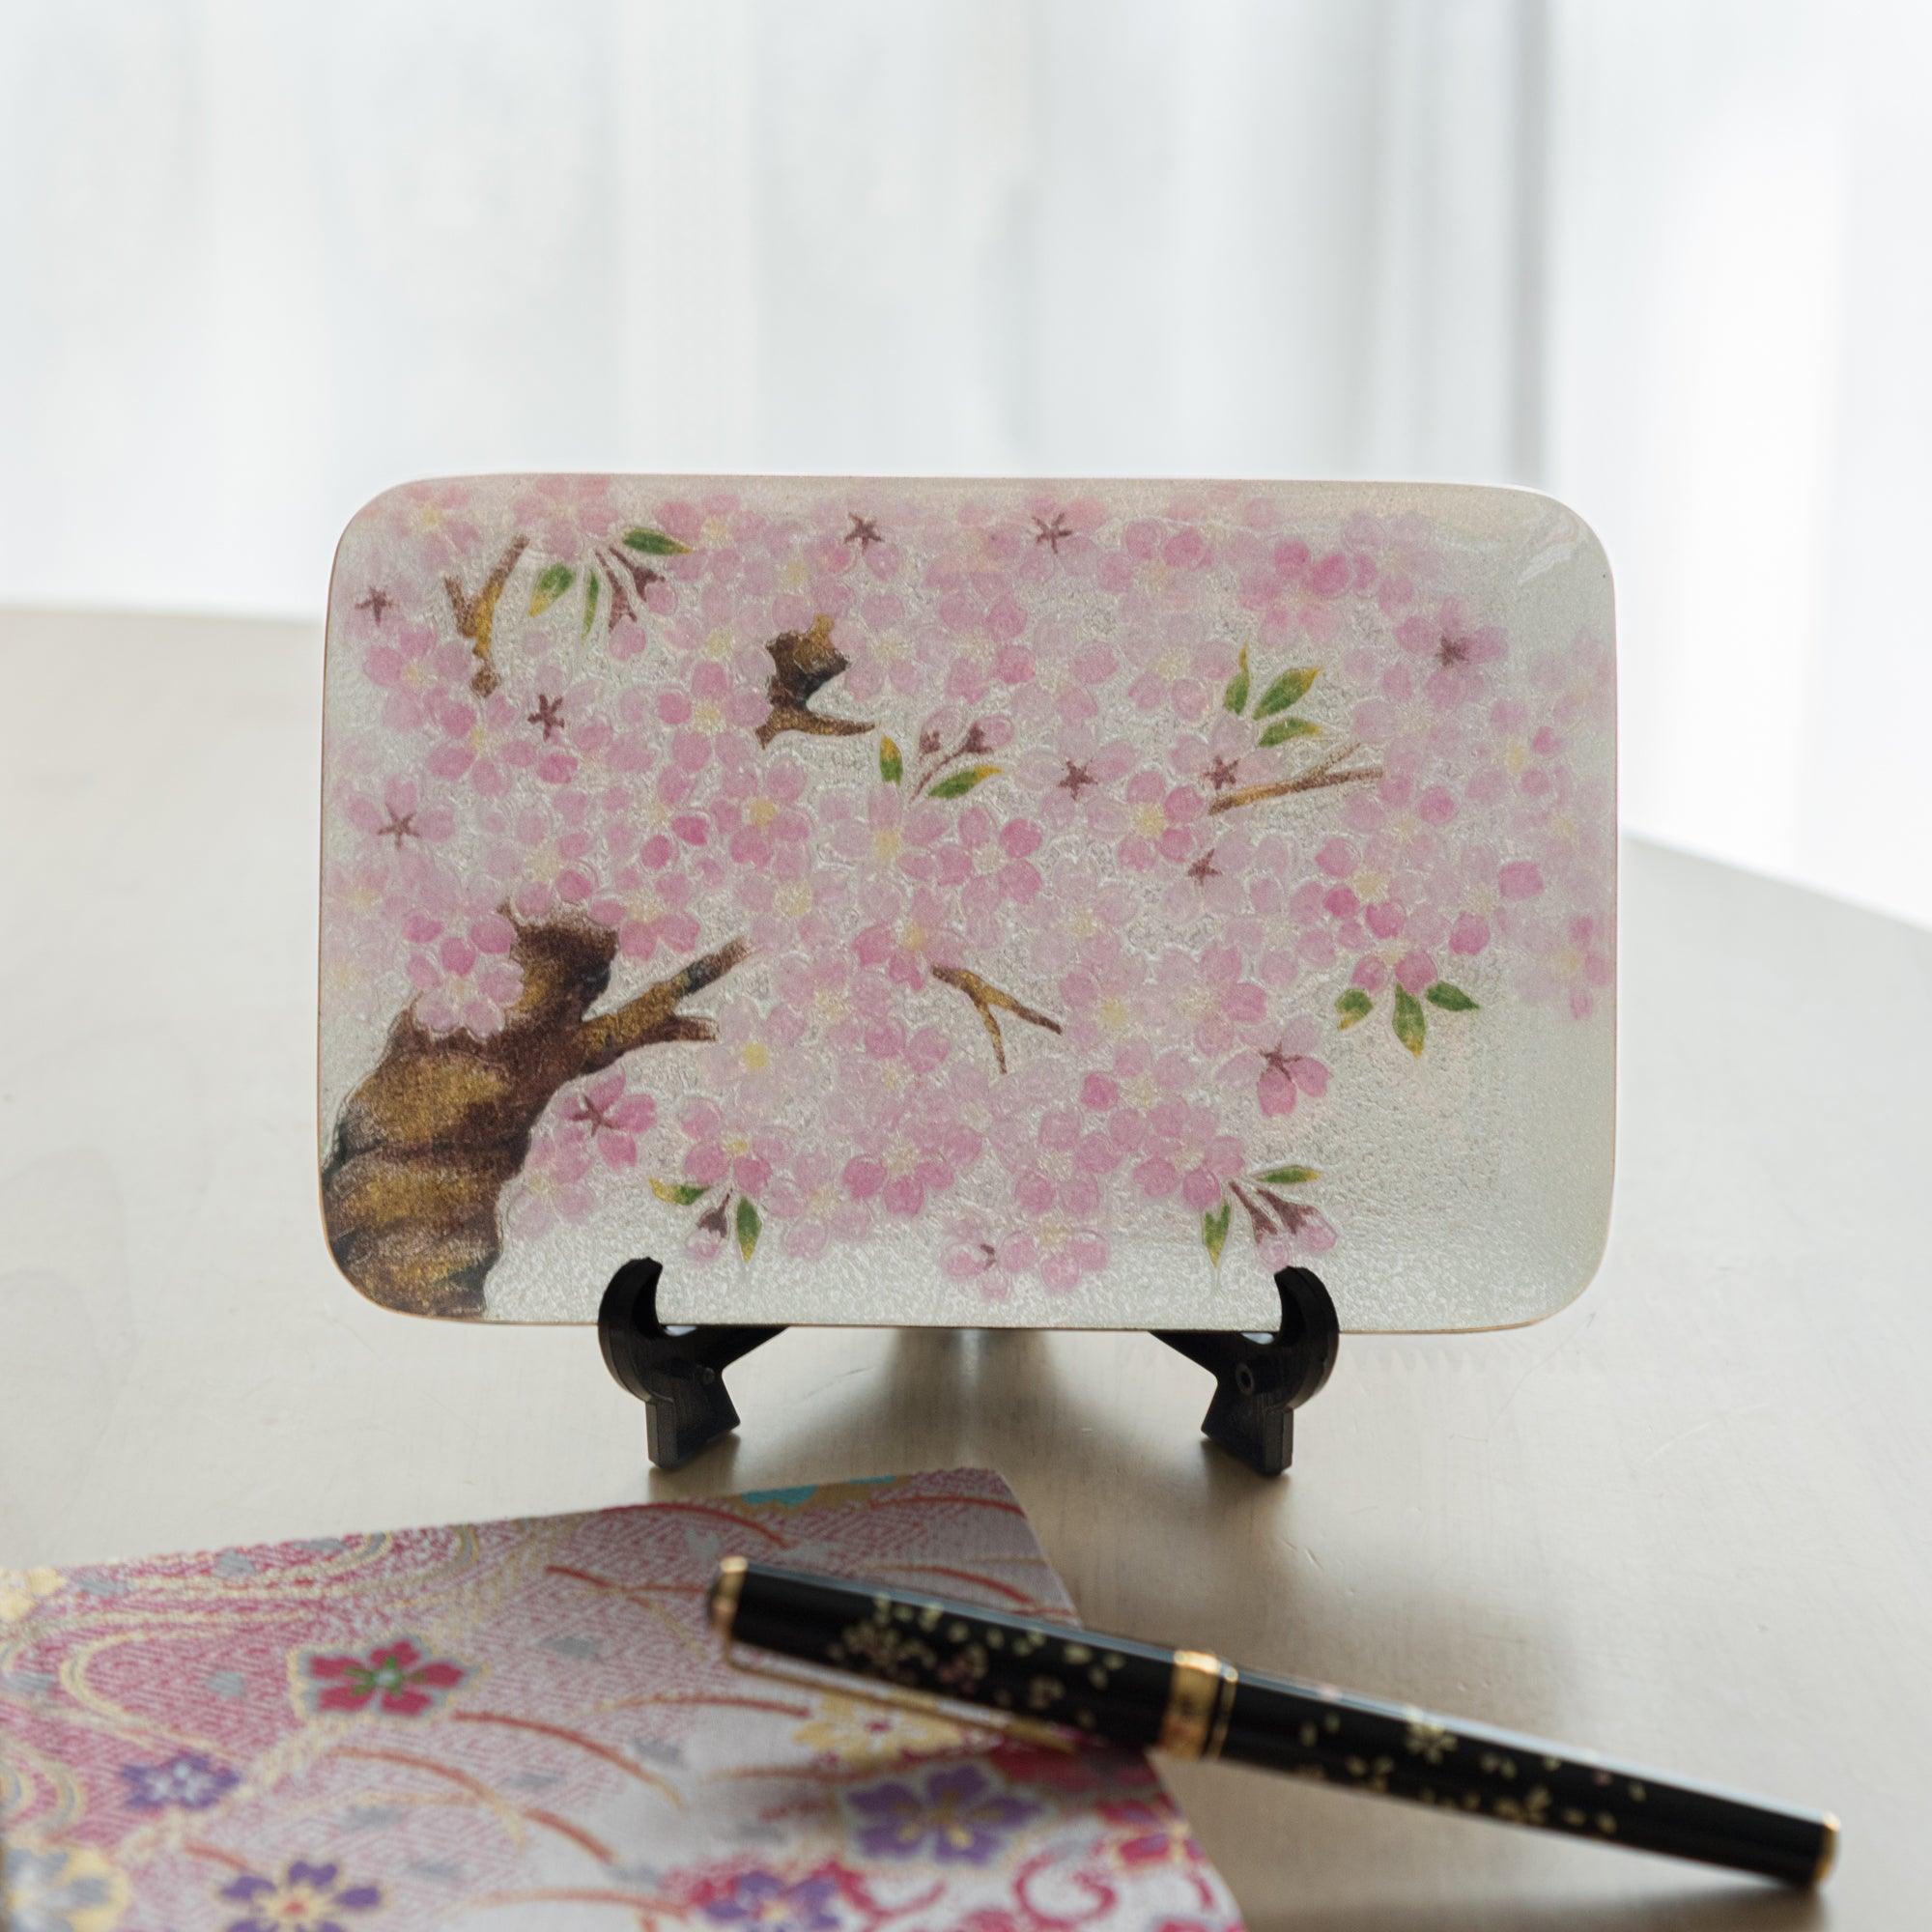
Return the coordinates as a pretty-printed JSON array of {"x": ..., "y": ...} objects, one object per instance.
[{"x": 1740, "y": 1908}]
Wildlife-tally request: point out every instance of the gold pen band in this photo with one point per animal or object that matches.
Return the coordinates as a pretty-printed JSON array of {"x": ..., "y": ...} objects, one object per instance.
[
  {"x": 1827, "y": 1852},
  {"x": 1200, "y": 1699},
  {"x": 722, "y": 1606}
]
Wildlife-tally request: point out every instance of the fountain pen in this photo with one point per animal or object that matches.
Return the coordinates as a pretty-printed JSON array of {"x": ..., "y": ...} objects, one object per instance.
[{"x": 1025, "y": 1672}]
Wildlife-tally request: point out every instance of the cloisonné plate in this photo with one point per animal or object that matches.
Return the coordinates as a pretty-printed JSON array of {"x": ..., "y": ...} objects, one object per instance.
[{"x": 1019, "y": 903}]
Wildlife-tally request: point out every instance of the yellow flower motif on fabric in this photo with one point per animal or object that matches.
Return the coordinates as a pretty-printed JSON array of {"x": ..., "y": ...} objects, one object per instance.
[
  {"x": 21, "y": 1589},
  {"x": 852, "y": 1731},
  {"x": 60, "y": 1889}
]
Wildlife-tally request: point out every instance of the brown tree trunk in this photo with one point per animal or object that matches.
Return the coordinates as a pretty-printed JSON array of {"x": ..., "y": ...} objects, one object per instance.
[{"x": 424, "y": 1147}]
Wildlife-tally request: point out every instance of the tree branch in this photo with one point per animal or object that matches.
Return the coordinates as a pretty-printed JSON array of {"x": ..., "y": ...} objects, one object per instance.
[
  {"x": 1317, "y": 778},
  {"x": 652, "y": 1017},
  {"x": 476, "y": 617},
  {"x": 803, "y": 664},
  {"x": 985, "y": 996}
]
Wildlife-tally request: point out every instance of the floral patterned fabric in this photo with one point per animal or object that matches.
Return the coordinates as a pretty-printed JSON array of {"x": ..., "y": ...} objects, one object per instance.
[{"x": 528, "y": 1723}]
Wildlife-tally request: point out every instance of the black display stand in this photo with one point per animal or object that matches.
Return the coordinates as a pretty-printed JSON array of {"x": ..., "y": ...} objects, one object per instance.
[{"x": 1260, "y": 1381}]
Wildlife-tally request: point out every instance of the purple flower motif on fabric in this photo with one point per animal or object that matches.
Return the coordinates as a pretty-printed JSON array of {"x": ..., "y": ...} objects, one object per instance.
[
  {"x": 774, "y": 1903},
  {"x": 187, "y": 1783},
  {"x": 955, "y": 1815},
  {"x": 305, "y": 1899}
]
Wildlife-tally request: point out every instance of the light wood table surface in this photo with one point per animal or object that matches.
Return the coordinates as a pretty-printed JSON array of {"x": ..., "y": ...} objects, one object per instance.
[{"x": 1688, "y": 1520}]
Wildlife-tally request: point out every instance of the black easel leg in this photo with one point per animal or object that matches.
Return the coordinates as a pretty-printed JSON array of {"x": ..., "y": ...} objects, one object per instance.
[
  {"x": 678, "y": 1374},
  {"x": 1260, "y": 1381}
]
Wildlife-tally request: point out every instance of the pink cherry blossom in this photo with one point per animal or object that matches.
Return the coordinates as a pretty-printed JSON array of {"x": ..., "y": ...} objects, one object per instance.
[
  {"x": 416, "y": 673},
  {"x": 1455, "y": 649},
  {"x": 1181, "y": 679},
  {"x": 888, "y": 837},
  {"x": 1283, "y": 1071},
  {"x": 756, "y": 809},
  {"x": 463, "y": 974},
  {"x": 435, "y": 525},
  {"x": 1221, "y": 756},
  {"x": 1572, "y": 961},
  {"x": 667, "y": 825},
  {"x": 985, "y": 623},
  {"x": 1216, "y": 879},
  {"x": 1518, "y": 755},
  {"x": 1293, "y": 590},
  {"x": 1060, "y": 1252},
  {"x": 790, "y": 901},
  {"x": 485, "y": 740},
  {"x": 887, "y": 652},
  {"x": 989, "y": 863},
  {"x": 401, "y": 824},
  {"x": 1071, "y": 675},
  {"x": 610, "y": 1116},
  {"x": 553, "y": 1185},
  {"x": 1294, "y": 1231},
  {"x": 903, "y": 1152},
  {"x": 713, "y": 716},
  {"x": 808, "y": 1202},
  {"x": 1208, "y": 995},
  {"x": 648, "y": 907},
  {"x": 542, "y": 854},
  {"x": 1155, "y": 566},
  {"x": 1080, "y": 919},
  {"x": 914, "y": 935},
  {"x": 565, "y": 515},
  {"x": 1078, "y": 778},
  {"x": 749, "y": 1068},
  {"x": 737, "y": 1149},
  {"x": 1163, "y": 819},
  {"x": 1188, "y": 1152}
]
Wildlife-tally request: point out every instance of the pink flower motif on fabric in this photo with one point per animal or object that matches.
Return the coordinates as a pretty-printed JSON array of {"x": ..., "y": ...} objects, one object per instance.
[{"x": 398, "y": 1679}]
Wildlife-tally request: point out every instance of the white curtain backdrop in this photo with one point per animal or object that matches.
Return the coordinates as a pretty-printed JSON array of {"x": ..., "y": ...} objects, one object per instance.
[{"x": 1669, "y": 259}]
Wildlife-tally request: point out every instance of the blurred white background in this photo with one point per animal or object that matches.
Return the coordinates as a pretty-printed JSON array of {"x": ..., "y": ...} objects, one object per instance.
[{"x": 1667, "y": 259}]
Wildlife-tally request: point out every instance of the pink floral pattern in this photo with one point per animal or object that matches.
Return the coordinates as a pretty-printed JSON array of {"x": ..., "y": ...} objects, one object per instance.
[
  {"x": 570, "y": 1750},
  {"x": 1075, "y": 854}
]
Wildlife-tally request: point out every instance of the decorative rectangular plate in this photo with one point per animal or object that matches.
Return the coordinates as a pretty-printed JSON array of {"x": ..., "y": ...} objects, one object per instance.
[{"x": 974, "y": 904}]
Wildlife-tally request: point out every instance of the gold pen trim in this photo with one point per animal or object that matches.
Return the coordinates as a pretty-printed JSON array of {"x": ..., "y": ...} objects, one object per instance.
[
  {"x": 1827, "y": 1852},
  {"x": 722, "y": 1604},
  {"x": 1199, "y": 1694}
]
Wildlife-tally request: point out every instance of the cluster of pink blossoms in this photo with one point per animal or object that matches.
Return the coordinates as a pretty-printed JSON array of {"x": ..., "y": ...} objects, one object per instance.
[{"x": 1059, "y": 920}]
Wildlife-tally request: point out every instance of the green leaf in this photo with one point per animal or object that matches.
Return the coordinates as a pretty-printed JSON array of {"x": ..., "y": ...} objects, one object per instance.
[
  {"x": 749, "y": 1225},
  {"x": 1235, "y": 698},
  {"x": 1288, "y": 1177},
  {"x": 551, "y": 586},
  {"x": 589, "y": 600},
  {"x": 677, "y": 1192},
  {"x": 959, "y": 783},
  {"x": 1353, "y": 1005},
  {"x": 1284, "y": 729},
  {"x": 891, "y": 767},
  {"x": 1289, "y": 688},
  {"x": 1451, "y": 999},
  {"x": 1214, "y": 1232},
  {"x": 1409, "y": 1025},
  {"x": 654, "y": 543}
]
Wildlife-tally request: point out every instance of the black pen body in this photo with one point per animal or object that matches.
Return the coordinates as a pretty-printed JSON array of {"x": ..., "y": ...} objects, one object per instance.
[
  {"x": 1196, "y": 1705},
  {"x": 1335, "y": 1738}
]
